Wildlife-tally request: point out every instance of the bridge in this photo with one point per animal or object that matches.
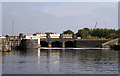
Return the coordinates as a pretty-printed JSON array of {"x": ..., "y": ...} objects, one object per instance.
[
  {"x": 44, "y": 42},
  {"x": 57, "y": 42},
  {"x": 48, "y": 40},
  {"x": 51, "y": 42}
]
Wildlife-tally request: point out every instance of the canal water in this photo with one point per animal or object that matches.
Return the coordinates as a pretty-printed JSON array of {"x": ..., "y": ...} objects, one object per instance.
[{"x": 60, "y": 61}]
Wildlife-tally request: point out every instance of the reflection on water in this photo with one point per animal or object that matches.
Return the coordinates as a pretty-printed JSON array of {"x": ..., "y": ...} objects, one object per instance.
[{"x": 41, "y": 61}]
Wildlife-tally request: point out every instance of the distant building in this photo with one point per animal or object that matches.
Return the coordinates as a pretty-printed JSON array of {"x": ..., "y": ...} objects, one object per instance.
[
  {"x": 2, "y": 37},
  {"x": 67, "y": 36},
  {"x": 41, "y": 35},
  {"x": 36, "y": 37},
  {"x": 54, "y": 35},
  {"x": 28, "y": 36},
  {"x": 78, "y": 37}
]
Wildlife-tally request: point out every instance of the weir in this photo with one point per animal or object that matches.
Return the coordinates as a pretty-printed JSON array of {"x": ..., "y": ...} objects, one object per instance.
[{"x": 61, "y": 42}]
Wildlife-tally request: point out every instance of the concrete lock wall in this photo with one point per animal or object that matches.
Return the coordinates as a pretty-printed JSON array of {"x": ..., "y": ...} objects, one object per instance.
[
  {"x": 76, "y": 43},
  {"x": 33, "y": 43},
  {"x": 29, "y": 43},
  {"x": 88, "y": 43}
]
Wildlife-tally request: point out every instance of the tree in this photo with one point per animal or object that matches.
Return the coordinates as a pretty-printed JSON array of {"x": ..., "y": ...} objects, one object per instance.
[
  {"x": 49, "y": 33},
  {"x": 79, "y": 33},
  {"x": 84, "y": 33},
  {"x": 112, "y": 36},
  {"x": 118, "y": 33},
  {"x": 6, "y": 36},
  {"x": 87, "y": 29},
  {"x": 98, "y": 33},
  {"x": 68, "y": 32}
]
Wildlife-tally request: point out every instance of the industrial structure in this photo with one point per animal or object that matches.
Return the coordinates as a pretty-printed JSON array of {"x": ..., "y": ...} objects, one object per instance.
[
  {"x": 38, "y": 40},
  {"x": 47, "y": 40}
]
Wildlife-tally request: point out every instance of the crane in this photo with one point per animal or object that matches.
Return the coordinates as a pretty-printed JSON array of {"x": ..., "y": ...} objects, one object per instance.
[{"x": 95, "y": 25}]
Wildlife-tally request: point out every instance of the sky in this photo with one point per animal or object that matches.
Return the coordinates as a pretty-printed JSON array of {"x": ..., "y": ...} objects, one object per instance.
[{"x": 31, "y": 17}]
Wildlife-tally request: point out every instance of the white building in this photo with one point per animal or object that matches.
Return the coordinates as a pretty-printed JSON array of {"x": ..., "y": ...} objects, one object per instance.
[
  {"x": 28, "y": 36},
  {"x": 54, "y": 35},
  {"x": 36, "y": 37},
  {"x": 41, "y": 35},
  {"x": 67, "y": 36},
  {"x": 2, "y": 37}
]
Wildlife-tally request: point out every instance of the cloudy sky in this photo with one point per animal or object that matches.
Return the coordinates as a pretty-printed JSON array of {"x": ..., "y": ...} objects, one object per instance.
[{"x": 31, "y": 17}]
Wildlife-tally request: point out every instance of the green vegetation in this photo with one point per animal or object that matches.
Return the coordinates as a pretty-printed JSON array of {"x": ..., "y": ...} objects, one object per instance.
[
  {"x": 6, "y": 36},
  {"x": 84, "y": 33},
  {"x": 68, "y": 32},
  {"x": 3, "y": 44},
  {"x": 98, "y": 33},
  {"x": 49, "y": 33}
]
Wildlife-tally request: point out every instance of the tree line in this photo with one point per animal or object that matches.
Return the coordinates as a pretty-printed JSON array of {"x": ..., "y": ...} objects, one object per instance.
[
  {"x": 98, "y": 33},
  {"x": 101, "y": 33}
]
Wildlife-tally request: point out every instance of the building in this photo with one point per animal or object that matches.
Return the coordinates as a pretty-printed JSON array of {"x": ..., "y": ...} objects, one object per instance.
[
  {"x": 28, "y": 36},
  {"x": 2, "y": 37},
  {"x": 67, "y": 36},
  {"x": 54, "y": 35},
  {"x": 41, "y": 35}
]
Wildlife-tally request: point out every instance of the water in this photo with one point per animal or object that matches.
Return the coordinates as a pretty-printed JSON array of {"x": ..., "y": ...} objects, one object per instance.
[{"x": 60, "y": 61}]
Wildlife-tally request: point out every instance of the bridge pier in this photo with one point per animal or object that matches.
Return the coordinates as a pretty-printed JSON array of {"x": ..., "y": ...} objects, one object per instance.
[
  {"x": 50, "y": 44},
  {"x": 63, "y": 44}
]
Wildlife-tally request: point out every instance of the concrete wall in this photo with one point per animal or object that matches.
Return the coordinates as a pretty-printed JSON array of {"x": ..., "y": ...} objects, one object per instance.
[
  {"x": 29, "y": 43},
  {"x": 88, "y": 43}
]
